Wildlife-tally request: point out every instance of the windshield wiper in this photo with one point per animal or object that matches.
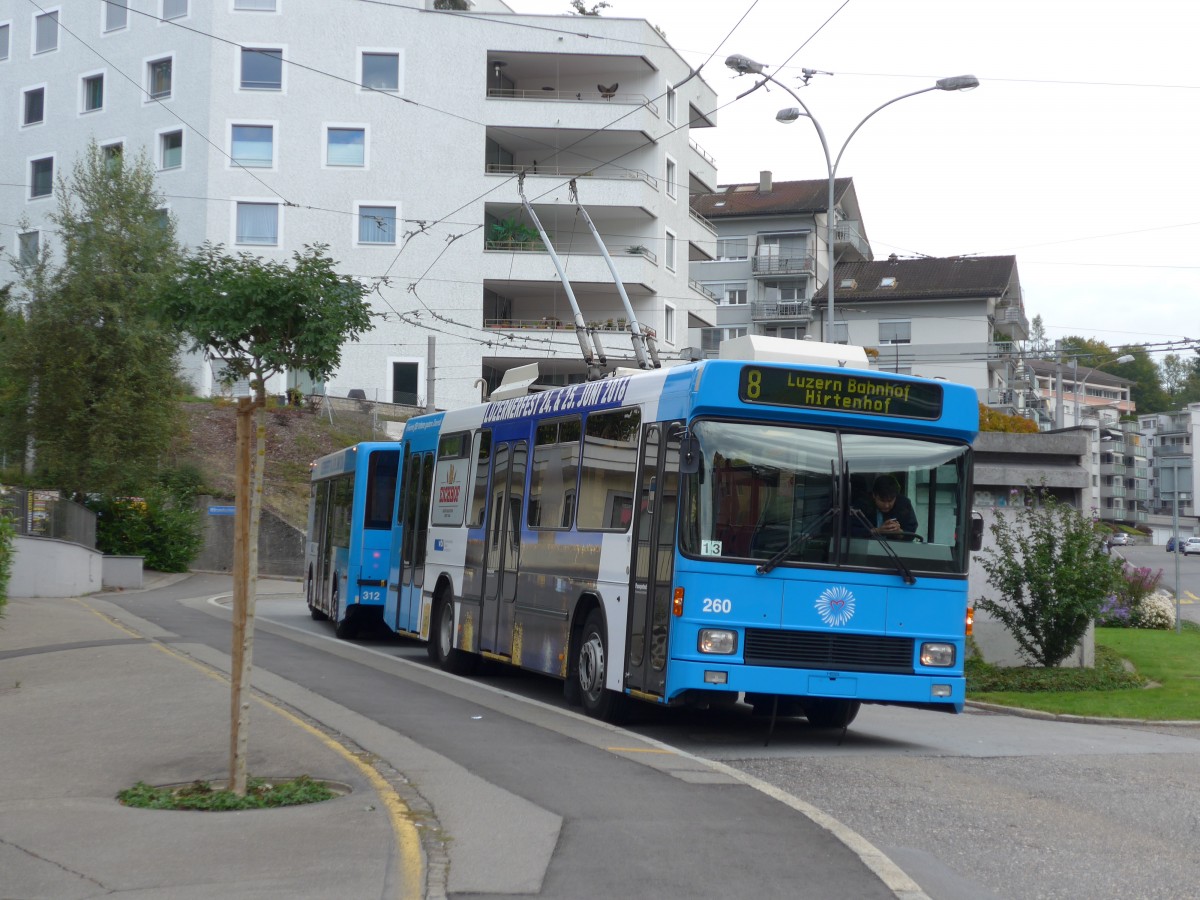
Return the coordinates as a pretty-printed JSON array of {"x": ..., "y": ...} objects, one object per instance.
[
  {"x": 905, "y": 572},
  {"x": 800, "y": 538}
]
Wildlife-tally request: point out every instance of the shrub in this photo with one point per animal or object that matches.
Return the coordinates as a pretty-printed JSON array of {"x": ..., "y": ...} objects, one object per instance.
[
  {"x": 1051, "y": 576},
  {"x": 7, "y": 552},
  {"x": 1136, "y": 602},
  {"x": 161, "y": 528}
]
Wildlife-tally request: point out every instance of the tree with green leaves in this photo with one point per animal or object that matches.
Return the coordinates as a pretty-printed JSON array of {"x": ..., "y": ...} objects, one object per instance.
[
  {"x": 101, "y": 388},
  {"x": 1147, "y": 390},
  {"x": 579, "y": 8},
  {"x": 1051, "y": 576},
  {"x": 14, "y": 384},
  {"x": 261, "y": 318}
]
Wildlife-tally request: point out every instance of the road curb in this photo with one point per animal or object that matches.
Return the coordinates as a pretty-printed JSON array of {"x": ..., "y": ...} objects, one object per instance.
[{"x": 1083, "y": 720}]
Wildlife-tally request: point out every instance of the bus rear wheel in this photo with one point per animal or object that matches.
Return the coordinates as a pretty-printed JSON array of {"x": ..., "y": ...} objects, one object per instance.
[
  {"x": 591, "y": 669},
  {"x": 830, "y": 713},
  {"x": 347, "y": 628},
  {"x": 441, "y": 647},
  {"x": 316, "y": 614}
]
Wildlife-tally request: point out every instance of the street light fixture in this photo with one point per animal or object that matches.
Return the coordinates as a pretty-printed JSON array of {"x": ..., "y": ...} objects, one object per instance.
[
  {"x": 1079, "y": 385},
  {"x": 744, "y": 65}
]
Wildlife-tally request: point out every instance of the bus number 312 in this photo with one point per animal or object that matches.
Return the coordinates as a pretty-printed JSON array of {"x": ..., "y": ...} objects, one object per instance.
[{"x": 717, "y": 605}]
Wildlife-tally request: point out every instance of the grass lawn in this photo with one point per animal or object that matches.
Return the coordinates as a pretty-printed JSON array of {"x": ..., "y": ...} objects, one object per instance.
[{"x": 1169, "y": 662}]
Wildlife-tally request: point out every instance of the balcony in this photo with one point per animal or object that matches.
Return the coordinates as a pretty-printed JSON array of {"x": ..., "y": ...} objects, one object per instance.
[
  {"x": 1001, "y": 350},
  {"x": 782, "y": 311},
  {"x": 770, "y": 265},
  {"x": 568, "y": 96},
  {"x": 848, "y": 235},
  {"x": 611, "y": 173}
]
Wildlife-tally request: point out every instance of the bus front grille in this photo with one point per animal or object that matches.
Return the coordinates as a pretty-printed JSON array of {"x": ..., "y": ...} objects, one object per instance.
[{"x": 825, "y": 650}]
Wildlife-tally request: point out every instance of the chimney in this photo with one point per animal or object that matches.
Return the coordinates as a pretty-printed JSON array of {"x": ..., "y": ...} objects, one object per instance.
[{"x": 764, "y": 181}]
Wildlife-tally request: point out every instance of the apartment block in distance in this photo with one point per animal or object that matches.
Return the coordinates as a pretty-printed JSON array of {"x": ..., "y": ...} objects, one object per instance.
[{"x": 402, "y": 137}]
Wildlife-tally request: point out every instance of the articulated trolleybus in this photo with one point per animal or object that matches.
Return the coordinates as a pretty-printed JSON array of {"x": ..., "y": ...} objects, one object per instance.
[
  {"x": 349, "y": 535},
  {"x": 700, "y": 533}
]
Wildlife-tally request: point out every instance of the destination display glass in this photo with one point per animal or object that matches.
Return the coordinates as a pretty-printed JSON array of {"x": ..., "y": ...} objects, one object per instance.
[{"x": 847, "y": 392}]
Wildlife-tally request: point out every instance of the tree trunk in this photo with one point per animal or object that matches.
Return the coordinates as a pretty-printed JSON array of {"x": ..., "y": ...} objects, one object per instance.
[{"x": 239, "y": 676}]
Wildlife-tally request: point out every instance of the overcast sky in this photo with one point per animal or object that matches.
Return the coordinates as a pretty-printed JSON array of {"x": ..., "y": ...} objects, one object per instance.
[{"x": 1078, "y": 153}]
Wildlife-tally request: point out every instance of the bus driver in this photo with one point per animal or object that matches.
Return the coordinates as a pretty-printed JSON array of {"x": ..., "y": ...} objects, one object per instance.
[{"x": 889, "y": 513}]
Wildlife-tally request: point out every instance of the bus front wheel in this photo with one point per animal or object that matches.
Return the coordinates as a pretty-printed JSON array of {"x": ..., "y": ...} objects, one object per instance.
[
  {"x": 830, "y": 713},
  {"x": 591, "y": 668}
]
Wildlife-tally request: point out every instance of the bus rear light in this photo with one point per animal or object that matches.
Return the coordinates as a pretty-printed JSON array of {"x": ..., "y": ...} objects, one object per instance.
[
  {"x": 677, "y": 603},
  {"x": 937, "y": 654},
  {"x": 970, "y": 620},
  {"x": 721, "y": 641}
]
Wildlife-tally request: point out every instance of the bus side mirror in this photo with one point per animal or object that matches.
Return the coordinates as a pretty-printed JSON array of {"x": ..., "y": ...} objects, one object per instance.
[
  {"x": 689, "y": 455},
  {"x": 976, "y": 530}
]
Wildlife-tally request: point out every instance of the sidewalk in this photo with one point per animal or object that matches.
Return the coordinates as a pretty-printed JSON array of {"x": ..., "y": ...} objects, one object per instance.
[{"x": 91, "y": 703}]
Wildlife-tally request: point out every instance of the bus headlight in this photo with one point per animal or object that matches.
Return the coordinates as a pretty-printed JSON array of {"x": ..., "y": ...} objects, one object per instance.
[
  {"x": 937, "y": 654},
  {"x": 717, "y": 640}
]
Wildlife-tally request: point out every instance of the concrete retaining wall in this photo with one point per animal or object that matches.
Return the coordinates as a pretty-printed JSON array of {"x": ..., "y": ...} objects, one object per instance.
[
  {"x": 280, "y": 546},
  {"x": 48, "y": 567}
]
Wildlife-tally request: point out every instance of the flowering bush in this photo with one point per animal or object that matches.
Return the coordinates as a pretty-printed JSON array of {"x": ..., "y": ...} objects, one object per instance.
[{"x": 1137, "y": 602}]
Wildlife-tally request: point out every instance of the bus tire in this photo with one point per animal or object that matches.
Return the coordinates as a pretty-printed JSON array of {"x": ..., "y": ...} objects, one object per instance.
[
  {"x": 591, "y": 670},
  {"x": 346, "y": 628},
  {"x": 441, "y": 647},
  {"x": 823, "y": 713}
]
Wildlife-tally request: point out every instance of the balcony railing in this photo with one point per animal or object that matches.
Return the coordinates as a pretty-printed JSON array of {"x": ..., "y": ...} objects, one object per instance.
[
  {"x": 703, "y": 222},
  {"x": 770, "y": 264},
  {"x": 552, "y": 323},
  {"x": 538, "y": 247},
  {"x": 701, "y": 289},
  {"x": 611, "y": 173},
  {"x": 849, "y": 232},
  {"x": 704, "y": 154},
  {"x": 1001, "y": 350},
  {"x": 789, "y": 310},
  {"x": 586, "y": 96}
]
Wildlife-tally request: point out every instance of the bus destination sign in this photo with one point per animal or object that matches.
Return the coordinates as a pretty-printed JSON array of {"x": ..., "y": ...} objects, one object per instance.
[{"x": 840, "y": 392}]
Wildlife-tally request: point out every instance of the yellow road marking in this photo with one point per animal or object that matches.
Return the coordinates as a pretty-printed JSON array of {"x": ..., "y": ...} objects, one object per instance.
[{"x": 408, "y": 843}]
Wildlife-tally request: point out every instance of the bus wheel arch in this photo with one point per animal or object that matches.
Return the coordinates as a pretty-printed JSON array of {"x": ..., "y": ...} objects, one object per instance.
[
  {"x": 583, "y": 609},
  {"x": 316, "y": 614}
]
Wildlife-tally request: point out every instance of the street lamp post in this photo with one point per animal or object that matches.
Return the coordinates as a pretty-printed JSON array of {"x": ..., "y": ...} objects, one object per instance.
[{"x": 743, "y": 65}]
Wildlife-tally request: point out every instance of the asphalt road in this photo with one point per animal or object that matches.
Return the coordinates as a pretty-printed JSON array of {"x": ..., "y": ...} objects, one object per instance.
[
  {"x": 980, "y": 805},
  {"x": 1156, "y": 558}
]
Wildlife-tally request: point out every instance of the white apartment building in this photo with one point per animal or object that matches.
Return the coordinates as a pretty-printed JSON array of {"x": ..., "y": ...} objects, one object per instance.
[
  {"x": 961, "y": 319},
  {"x": 1174, "y": 439},
  {"x": 396, "y": 134}
]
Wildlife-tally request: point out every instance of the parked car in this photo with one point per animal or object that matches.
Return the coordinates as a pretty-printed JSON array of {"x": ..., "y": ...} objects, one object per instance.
[
  {"x": 1120, "y": 539},
  {"x": 1171, "y": 544},
  {"x": 1190, "y": 546}
]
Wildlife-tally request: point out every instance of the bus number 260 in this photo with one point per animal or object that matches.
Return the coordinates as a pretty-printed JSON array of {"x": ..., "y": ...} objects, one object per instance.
[{"x": 717, "y": 605}]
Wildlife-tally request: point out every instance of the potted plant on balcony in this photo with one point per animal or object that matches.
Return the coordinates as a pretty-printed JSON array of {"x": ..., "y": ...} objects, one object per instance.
[
  {"x": 509, "y": 234},
  {"x": 636, "y": 250}
]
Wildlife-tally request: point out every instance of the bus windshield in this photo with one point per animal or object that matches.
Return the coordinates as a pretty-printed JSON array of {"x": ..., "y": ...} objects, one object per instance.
[{"x": 827, "y": 497}]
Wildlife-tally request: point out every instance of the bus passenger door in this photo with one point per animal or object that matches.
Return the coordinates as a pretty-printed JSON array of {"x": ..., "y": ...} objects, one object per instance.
[
  {"x": 503, "y": 538},
  {"x": 653, "y": 564},
  {"x": 414, "y": 513}
]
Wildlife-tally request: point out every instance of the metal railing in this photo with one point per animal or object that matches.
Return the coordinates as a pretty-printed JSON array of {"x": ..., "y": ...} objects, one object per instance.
[
  {"x": 703, "y": 222},
  {"x": 782, "y": 309},
  {"x": 538, "y": 247},
  {"x": 791, "y": 264},
  {"x": 610, "y": 173},
  {"x": 46, "y": 514},
  {"x": 586, "y": 96},
  {"x": 704, "y": 154}
]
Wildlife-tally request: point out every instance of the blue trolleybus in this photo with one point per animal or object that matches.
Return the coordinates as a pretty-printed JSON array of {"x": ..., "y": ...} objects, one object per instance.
[
  {"x": 349, "y": 535},
  {"x": 703, "y": 533}
]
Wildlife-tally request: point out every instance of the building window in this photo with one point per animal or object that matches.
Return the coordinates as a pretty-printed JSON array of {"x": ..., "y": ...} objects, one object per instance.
[
  {"x": 669, "y": 251},
  {"x": 896, "y": 331},
  {"x": 262, "y": 69},
  {"x": 34, "y": 106},
  {"x": 668, "y": 323},
  {"x": 174, "y": 9},
  {"x": 381, "y": 71},
  {"x": 116, "y": 14},
  {"x": 160, "y": 78},
  {"x": 672, "y": 176},
  {"x": 27, "y": 248},
  {"x": 162, "y": 218},
  {"x": 733, "y": 248},
  {"x": 256, "y": 5},
  {"x": 113, "y": 155},
  {"x": 170, "y": 150},
  {"x": 4, "y": 39},
  {"x": 45, "y": 32},
  {"x": 732, "y": 293},
  {"x": 258, "y": 223},
  {"x": 346, "y": 147},
  {"x": 841, "y": 333},
  {"x": 710, "y": 338},
  {"x": 253, "y": 146},
  {"x": 377, "y": 224},
  {"x": 41, "y": 177},
  {"x": 93, "y": 93},
  {"x": 672, "y": 105}
]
